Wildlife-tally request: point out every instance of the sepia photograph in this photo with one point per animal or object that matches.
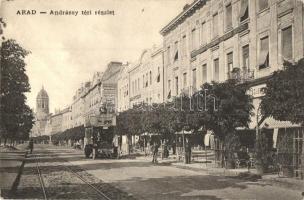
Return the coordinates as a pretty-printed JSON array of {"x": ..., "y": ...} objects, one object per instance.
[{"x": 152, "y": 99}]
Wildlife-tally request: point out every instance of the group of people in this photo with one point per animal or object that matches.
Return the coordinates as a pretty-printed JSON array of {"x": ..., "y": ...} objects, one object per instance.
[{"x": 165, "y": 153}]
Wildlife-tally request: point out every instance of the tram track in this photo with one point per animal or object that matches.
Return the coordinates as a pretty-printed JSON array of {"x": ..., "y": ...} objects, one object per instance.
[
  {"x": 40, "y": 178},
  {"x": 72, "y": 172},
  {"x": 100, "y": 193}
]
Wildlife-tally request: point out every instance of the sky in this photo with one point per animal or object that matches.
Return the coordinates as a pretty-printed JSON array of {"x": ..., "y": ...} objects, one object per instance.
[{"x": 67, "y": 50}]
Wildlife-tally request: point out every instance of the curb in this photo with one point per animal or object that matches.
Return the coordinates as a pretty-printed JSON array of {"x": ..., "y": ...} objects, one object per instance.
[{"x": 17, "y": 180}]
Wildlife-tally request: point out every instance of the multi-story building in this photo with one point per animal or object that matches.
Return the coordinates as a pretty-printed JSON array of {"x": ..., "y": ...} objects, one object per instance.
[
  {"x": 92, "y": 97},
  {"x": 77, "y": 106},
  {"x": 123, "y": 89},
  {"x": 142, "y": 81},
  {"x": 101, "y": 97},
  {"x": 66, "y": 119},
  {"x": 56, "y": 122},
  {"x": 109, "y": 85},
  {"x": 216, "y": 40}
]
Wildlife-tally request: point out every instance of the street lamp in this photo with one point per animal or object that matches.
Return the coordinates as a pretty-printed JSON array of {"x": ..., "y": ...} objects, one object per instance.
[{"x": 257, "y": 123}]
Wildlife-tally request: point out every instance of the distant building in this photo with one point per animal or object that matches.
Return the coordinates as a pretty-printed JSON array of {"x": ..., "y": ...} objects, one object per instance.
[
  {"x": 77, "y": 106},
  {"x": 142, "y": 81},
  {"x": 123, "y": 91},
  {"x": 102, "y": 95},
  {"x": 66, "y": 119},
  {"x": 56, "y": 122},
  {"x": 41, "y": 114}
]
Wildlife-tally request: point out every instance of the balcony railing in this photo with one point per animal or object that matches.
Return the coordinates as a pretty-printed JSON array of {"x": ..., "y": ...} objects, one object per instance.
[{"x": 241, "y": 75}]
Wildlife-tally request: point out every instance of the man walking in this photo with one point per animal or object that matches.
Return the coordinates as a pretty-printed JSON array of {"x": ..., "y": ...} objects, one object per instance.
[
  {"x": 155, "y": 152},
  {"x": 187, "y": 151},
  {"x": 31, "y": 145}
]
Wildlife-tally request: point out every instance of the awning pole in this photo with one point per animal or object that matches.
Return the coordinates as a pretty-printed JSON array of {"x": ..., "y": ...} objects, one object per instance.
[{"x": 184, "y": 150}]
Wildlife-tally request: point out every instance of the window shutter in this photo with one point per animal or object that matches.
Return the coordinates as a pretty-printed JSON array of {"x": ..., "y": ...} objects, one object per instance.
[
  {"x": 194, "y": 79},
  {"x": 263, "y": 4},
  {"x": 215, "y": 25},
  {"x": 246, "y": 57},
  {"x": 204, "y": 73},
  {"x": 287, "y": 43},
  {"x": 229, "y": 16},
  {"x": 216, "y": 69},
  {"x": 176, "y": 56}
]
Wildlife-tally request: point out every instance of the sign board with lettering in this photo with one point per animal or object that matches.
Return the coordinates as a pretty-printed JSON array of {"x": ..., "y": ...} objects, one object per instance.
[
  {"x": 257, "y": 91},
  {"x": 106, "y": 120}
]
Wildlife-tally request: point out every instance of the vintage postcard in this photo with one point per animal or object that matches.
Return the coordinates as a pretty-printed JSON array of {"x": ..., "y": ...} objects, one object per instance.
[{"x": 152, "y": 99}]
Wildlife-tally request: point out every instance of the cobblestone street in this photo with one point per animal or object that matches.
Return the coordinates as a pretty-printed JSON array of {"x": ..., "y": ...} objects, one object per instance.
[{"x": 134, "y": 179}]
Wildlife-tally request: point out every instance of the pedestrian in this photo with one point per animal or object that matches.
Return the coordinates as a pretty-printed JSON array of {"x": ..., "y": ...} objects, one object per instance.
[
  {"x": 174, "y": 147},
  {"x": 31, "y": 145},
  {"x": 155, "y": 152},
  {"x": 165, "y": 151},
  {"x": 187, "y": 152}
]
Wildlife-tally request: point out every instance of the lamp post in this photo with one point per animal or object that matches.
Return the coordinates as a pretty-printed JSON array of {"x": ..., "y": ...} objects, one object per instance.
[
  {"x": 257, "y": 123},
  {"x": 259, "y": 162}
]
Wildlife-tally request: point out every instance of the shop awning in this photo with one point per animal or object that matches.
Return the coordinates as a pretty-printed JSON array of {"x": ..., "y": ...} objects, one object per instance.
[
  {"x": 184, "y": 132},
  {"x": 263, "y": 57},
  {"x": 146, "y": 133},
  {"x": 270, "y": 123},
  {"x": 244, "y": 7}
]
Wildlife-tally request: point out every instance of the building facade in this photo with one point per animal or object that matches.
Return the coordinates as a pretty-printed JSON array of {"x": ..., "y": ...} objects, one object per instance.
[
  {"x": 101, "y": 98},
  {"x": 142, "y": 81},
  {"x": 41, "y": 114},
  {"x": 66, "y": 119},
  {"x": 56, "y": 122},
  {"x": 123, "y": 95},
  {"x": 77, "y": 106},
  {"x": 217, "y": 40}
]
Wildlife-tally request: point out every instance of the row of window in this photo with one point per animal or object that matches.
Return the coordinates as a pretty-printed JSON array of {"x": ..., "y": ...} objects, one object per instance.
[
  {"x": 94, "y": 101},
  {"x": 263, "y": 61},
  {"x": 147, "y": 80},
  {"x": 201, "y": 33}
]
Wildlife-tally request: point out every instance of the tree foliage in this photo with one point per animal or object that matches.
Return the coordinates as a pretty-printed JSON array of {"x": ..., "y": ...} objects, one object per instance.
[
  {"x": 16, "y": 116},
  {"x": 75, "y": 133},
  {"x": 229, "y": 108},
  {"x": 284, "y": 94},
  {"x": 222, "y": 108}
]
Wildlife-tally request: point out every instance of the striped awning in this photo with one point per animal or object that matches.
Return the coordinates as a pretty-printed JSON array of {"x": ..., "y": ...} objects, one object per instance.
[
  {"x": 184, "y": 132},
  {"x": 271, "y": 123}
]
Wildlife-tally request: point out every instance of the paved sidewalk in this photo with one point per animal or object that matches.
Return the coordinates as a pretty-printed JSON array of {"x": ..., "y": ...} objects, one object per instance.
[
  {"x": 10, "y": 163},
  {"x": 199, "y": 165},
  {"x": 209, "y": 168}
]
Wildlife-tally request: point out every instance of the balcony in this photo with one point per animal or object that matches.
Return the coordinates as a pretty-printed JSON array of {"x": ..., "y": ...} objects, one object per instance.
[{"x": 241, "y": 76}]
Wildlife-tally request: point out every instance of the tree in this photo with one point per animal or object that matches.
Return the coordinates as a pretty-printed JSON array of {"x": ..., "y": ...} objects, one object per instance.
[
  {"x": 228, "y": 107},
  {"x": 16, "y": 116},
  {"x": 284, "y": 94}
]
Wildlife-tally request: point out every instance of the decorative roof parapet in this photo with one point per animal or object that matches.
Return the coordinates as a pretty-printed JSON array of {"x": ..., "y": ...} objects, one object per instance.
[{"x": 188, "y": 11}]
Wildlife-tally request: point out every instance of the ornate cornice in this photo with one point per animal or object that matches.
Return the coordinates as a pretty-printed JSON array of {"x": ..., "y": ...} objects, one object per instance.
[{"x": 197, "y": 4}]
